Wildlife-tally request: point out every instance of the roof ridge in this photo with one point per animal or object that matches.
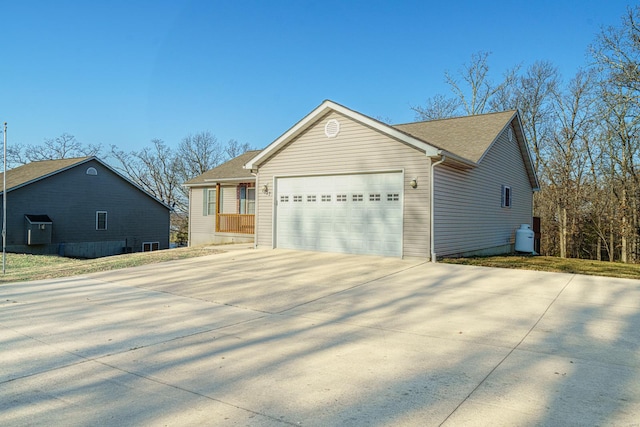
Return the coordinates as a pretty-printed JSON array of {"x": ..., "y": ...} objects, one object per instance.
[{"x": 512, "y": 111}]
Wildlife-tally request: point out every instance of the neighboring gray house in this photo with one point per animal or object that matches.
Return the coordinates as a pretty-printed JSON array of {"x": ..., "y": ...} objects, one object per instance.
[
  {"x": 340, "y": 181},
  {"x": 81, "y": 207},
  {"x": 222, "y": 203}
]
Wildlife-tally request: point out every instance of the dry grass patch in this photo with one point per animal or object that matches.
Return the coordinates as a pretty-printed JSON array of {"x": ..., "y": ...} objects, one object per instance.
[
  {"x": 561, "y": 265},
  {"x": 20, "y": 267}
]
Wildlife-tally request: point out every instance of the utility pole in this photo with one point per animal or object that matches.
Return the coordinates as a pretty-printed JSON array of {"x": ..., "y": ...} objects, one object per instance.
[{"x": 4, "y": 205}]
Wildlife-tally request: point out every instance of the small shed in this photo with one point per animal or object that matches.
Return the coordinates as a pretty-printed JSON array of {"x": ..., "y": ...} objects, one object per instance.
[{"x": 38, "y": 229}]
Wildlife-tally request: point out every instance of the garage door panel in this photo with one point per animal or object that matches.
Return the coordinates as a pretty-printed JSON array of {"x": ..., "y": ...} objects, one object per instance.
[{"x": 360, "y": 213}]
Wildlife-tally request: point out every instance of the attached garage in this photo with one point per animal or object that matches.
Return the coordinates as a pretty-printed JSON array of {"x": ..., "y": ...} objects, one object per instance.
[
  {"x": 340, "y": 181},
  {"x": 349, "y": 213}
]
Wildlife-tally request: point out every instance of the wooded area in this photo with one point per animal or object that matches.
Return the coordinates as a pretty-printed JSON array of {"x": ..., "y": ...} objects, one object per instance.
[{"x": 584, "y": 136}]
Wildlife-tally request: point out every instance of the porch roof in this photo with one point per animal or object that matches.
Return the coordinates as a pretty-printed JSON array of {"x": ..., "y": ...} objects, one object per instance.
[{"x": 231, "y": 170}]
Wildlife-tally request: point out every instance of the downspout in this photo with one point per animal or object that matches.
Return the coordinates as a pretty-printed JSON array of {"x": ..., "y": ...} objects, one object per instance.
[
  {"x": 255, "y": 215},
  {"x": 432, "y": 204},
  {"x": 189, "y": 218}
]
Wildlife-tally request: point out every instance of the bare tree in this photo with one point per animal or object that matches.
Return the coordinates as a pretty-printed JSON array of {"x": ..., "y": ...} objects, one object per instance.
[
  {"x": 156, "y": 170},
  {"x": 566, "y": 166},
  {"x": 617, "y": 51},
  {"x": 617, "y": 55},
  {"x": 534, "y": 97},
  {"x": 473, "y": 87},
  {"x": 437, "y": 107},
  {"x": 199, "y": 153},
  {"x": 62, "y": 147},
  {"x": 235, "y": 148}
]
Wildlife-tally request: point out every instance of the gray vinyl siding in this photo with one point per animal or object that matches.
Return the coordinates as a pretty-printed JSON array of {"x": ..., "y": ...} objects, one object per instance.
[
  {"x": 229, "y": 200},
  {"x": 201, "y": 227},
  {"x": 71, "y": 199},
  {"x": 356, "y": 149},
  {"x": 468, "y": 212}
]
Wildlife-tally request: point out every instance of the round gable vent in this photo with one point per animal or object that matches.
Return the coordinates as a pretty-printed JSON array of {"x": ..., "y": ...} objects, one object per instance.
[
  {"x": 332, "y": 128},
  {"x": 92, "y": 171}
]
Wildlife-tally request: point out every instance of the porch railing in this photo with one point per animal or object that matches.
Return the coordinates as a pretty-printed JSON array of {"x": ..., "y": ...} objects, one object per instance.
[{"x": 235, "y": 223}]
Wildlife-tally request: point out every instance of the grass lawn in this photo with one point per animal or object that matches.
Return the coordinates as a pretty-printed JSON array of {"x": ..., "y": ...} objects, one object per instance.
[
  {"x": 547, "y": 263},
  {"x": 21, "y": 267},
  {"x": 36, "y": 267}
]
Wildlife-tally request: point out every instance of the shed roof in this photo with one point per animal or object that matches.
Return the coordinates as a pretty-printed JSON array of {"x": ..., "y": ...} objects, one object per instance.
[
  {"x": 228, "y": 171},
  {"x": 38, "y": 219}
]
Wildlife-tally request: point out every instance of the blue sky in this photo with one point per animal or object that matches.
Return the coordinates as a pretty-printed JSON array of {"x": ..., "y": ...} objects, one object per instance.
[{"x": 125, "y": 72}]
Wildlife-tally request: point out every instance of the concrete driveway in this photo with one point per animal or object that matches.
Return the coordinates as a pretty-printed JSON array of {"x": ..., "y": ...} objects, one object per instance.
[{"x": 274, "y": 337}]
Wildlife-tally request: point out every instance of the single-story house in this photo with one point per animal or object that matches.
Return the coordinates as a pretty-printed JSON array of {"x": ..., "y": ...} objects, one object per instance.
[
  {"x": 81, "y": 207},
  {"x": 222, "y": 203},
  {"x": 341, "y": 181}
]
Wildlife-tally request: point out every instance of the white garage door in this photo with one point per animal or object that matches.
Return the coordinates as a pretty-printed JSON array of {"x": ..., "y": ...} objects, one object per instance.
[{"x": 360, "y": 214}]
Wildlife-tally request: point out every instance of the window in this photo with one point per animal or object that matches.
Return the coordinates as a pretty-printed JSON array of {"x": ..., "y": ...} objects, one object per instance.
[
  {"x": 357, "y": 197},
  {"x": 247, "y": 199},
  {"x": 326, "y": 198},
  {"x": 341, "y": 198},
  {"x": 209, "y": 201},
  {"x": 374, "y": 197},
  {"x": 150, "y": 246},
  {"x": 311, "y": 198},
  {"x": 506, "y": 196},
  {"x": 101, "y": 220},
  {"x": 393, "y": 197},
  {"x": 284, "y": 199},
  {"x": 297, "y": 198},
  {"x": 251, "y": 201}
]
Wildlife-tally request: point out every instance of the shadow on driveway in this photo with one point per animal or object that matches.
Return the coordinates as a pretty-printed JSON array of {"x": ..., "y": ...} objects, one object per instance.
[{"x": 301, "y": 338}]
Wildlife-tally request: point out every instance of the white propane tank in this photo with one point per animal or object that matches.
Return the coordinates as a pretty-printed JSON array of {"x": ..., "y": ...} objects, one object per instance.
[{"x": 524, "y": 239}]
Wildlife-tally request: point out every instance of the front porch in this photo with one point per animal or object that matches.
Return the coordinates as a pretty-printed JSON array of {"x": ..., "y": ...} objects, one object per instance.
[{"x": 235, "y": 223}]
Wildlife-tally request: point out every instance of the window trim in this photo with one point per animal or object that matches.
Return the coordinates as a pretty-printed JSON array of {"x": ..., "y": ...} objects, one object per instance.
[
  {"x": 507, "y": 196},
  {"x": 98, "y": 213},
  {"x": 208, "y": 203},
  {"x": 151, "y": 245}
]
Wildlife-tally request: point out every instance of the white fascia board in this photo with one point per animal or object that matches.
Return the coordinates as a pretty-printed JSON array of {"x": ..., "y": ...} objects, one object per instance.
[
  {"x": 524, "y": 149},
  {"x": 208, "y": 182},
  {"x": 323, "y": 109},
  {"x": 453, "y": 159},
  {"x": 528, "y": 157}
]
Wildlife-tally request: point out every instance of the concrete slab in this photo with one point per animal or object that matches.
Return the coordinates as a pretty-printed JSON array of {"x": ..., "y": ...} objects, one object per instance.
[
  {"x": 255, "y": 337},
  {"x": 92, "y": 393},
  {"x": 547, "y": 390},
  {"x": 319, "y": 373},
  {"x": 263, "y": 280}
]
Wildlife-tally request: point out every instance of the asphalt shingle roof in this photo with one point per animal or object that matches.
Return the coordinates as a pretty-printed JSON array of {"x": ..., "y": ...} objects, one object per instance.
[
  {"x": 232, "y": 169},
  {"x": 468, "y": 137},
  {"x": 36, "y": 170}
]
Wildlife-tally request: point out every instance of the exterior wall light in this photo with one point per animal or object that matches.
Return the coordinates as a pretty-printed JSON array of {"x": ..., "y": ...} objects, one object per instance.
[
  {"x": 265, "y": 189},
  {"x": 414, "y": 183}
]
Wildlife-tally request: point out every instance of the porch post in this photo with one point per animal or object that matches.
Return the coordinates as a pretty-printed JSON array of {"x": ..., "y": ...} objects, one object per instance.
[{"x": 217, "y": 207}]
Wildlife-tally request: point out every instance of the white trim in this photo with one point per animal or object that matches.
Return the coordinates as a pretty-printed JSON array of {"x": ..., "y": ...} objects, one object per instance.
[
  {"x": 245, "y": 179},
  {"x": 350, "y": 172},
  {"x": 523, "y": 145},
  {"x": 189, "y": 219},
  {"x": 432, "y": 207},
  {"x": 325, "y": 108},
  {"x": 151, "y": 246},
  {"x": 106, "y": 219}
]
